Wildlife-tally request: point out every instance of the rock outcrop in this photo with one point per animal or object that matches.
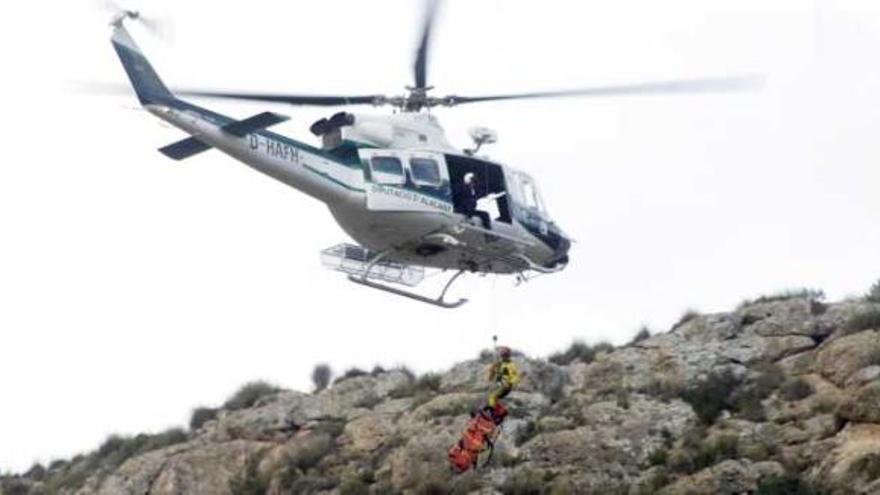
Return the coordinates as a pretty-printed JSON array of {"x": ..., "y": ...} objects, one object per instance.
[{"x": 781, "y": 395}]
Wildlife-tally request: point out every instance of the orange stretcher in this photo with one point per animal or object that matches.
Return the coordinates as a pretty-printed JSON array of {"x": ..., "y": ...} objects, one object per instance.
[{"x": 479, "y": 436}]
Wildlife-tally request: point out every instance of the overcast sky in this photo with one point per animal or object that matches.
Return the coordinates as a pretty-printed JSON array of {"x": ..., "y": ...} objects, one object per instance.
[{"x": 134, "y": 288}]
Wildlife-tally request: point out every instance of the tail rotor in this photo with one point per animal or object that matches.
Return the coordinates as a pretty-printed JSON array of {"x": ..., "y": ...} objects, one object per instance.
[{"x": 159, "y": 27}]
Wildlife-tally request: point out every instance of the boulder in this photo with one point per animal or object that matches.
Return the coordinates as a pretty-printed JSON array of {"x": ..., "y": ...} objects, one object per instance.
[
  {"x": 730, "y": 477},
  {"x": 841, "y": 466},
  {"x": 862, "y": 406},
  {"x": 206, "y": 470},
  {"x": 864, "y": 376},
  {"x": 839, "y": 359},
  {"x": 792, "y": 316},
  {"x": 368, "y": 433}
]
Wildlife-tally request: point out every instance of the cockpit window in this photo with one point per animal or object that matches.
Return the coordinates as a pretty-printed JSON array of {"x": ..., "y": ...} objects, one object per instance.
[
  {"x": 529, "y": 197},
  {"x": 387, "y": 165},
  {"x": 425, "y": 171}
]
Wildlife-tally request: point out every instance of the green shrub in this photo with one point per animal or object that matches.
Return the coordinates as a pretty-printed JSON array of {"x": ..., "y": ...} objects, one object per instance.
[
  {"x": 164, "y": 439},
  {"x": 579, "y": 351},
  {"x": 307, "y": 483},
  {"x": 868, "y": 319},
  {"x": 659, "y": 457},
  {"x": 681, "y": 461},
  {"x": 757, "y": 451},
  {"x": 770, "y": 377},
  {"x": 249, "y": 394},
  {"x": 697, "y": 453},
  {"x": 824, "y": 405},
  {"x": 369, "y": 401},
  {"x": 117, "y": 449},
  {"x": 621, "y": 397},
  {"x": 873, "y": 295},
  {"x": 787, "y": 484},
  {"x": 549, "y": 380},
  {"x": 722, "y": 448},
  {"x": 804, "y": 293},
  {"x": 200, "y": 416},
  {"x": 350, "y": 373},
  {"x": 663, "y": 389},
  {"x": 321, "y": 376},
  {"x": 14, "y": 486},
  {"x": 603, "y": 347},
  {"x": 506, "y": 459},
  {"x": 250, "y": 482},
  {"x": 311, "y": 450},
  {"x": 686, "y": 317},
  {"x": 795, "y": 389},
  {"x": 331, "y": 427},
  {"x": 867, "y": 466},
  {"x": 429, "y": 382},
  {"x": 406, "y": 371},
  {"x": 454, "y": 408},
  {"x": 462, "y": 484},
  {"x": 873, "y": 357},
  {"x": 36, "y": 473},
  {"x": 711, "y": 396},
  {"x": 525, "y": 482},
  {"x": 354, "y": 486},
  {"x": 723, "y": 390},
  {"x": 423, "y": 388},
  {"x": 644, "y": 334},
  {"x": 527, "y": 432},
  {"x": 747, "y": 404}
]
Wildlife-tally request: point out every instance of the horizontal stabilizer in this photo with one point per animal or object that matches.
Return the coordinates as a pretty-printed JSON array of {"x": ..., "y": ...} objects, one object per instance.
[
  {"x": 184, "y": 148},
  {"x": 259, "y": 121}
]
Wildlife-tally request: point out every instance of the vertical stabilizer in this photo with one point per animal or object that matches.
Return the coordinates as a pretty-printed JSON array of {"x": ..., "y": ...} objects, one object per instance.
[{"x": 147, "y": 85}]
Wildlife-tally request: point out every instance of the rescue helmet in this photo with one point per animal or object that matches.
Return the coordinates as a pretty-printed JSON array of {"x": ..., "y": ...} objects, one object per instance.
[{"x": 504, "y": 352}]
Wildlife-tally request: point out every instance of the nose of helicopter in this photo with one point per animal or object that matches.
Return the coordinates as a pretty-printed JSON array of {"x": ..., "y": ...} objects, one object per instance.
[{"x": 560, "y": 254}]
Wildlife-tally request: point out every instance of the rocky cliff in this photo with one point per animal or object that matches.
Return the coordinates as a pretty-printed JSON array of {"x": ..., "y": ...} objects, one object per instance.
[{"x": 781, "y": 395}]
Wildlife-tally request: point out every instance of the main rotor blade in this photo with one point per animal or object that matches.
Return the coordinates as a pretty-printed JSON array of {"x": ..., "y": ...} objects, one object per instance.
[
  {"x": 707, "y": 85},
  {"x": 316, "y": 100},
  {"x": 421, "y": 65}
]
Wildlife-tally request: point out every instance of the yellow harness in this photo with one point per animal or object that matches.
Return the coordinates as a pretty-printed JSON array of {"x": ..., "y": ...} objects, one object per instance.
[{"x": 504, "y": 373}]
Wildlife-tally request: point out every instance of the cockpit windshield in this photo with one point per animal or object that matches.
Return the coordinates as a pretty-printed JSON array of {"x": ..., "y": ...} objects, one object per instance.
[{"x": 525, "y": 191}]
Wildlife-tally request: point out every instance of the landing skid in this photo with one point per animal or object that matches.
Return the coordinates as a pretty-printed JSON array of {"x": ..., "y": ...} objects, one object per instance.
[{"x": 439, "y": 301}]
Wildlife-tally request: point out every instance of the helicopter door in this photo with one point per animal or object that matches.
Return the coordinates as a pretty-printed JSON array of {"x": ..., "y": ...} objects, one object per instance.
[{"x": 399, "y": 180}]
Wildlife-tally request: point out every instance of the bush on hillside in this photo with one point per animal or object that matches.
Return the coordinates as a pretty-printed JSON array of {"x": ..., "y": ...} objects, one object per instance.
[
  {"x": 873, "y": 294},
  {"x": 868, "y": 319},
  {"x": 643, "y": 334},
  {"x": 350, "y": 373},
  {"x": 795, "y": 389},
  {"x": 711, "y": 396},
  {"x": 249, "y": 394},
  {"x": 321, "y": 376},
  {"x": 200, "y": 416},
  {"x": 580, "y": 351},
  {"x": 250, "y": 482},
  {"x": 686, "y": 317},
  {"x": 803, "y": 293}
]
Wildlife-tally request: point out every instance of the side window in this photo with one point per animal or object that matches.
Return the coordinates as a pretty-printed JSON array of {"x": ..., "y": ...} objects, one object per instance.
[
  {"x": 529, "y": 195},
  {"x": 425, "y": 171},
  {"x": 387, "y": 169}
]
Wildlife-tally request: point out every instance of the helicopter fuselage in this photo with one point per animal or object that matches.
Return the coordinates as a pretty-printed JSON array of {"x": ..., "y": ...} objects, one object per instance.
[{"x": 414, "y": 218}]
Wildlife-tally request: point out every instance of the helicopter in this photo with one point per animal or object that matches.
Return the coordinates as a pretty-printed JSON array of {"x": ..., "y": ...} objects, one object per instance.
[{"x": 392, "y": 182}]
